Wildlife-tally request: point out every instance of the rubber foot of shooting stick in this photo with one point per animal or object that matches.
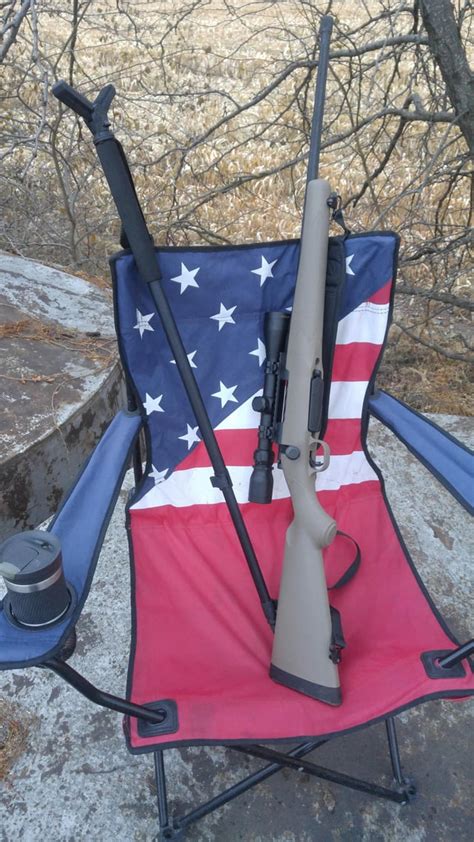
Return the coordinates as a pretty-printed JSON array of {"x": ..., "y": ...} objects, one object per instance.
[{"x": 329, "y": 695}]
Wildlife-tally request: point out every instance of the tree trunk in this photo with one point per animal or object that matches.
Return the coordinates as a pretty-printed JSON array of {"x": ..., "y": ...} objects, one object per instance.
[{"x": 446, "y": 46}]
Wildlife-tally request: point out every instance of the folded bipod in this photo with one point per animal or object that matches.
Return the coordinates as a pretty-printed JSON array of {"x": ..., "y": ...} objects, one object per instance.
[{"x": 119, "y": 179}]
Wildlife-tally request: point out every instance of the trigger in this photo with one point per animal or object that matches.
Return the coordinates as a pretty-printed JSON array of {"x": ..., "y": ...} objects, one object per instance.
[{"x": 321, "y": 461}]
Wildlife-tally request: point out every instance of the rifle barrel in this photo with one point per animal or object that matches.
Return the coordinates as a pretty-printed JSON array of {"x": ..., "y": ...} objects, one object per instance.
[{"x": 319, "y": 97}]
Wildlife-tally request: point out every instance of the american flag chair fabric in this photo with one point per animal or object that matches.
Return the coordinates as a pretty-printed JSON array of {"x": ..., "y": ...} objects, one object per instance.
[{"x": 199, "y": 639}]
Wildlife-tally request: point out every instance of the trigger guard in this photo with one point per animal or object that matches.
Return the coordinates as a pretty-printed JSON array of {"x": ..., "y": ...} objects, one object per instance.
[{"x": 319, "y": 466}]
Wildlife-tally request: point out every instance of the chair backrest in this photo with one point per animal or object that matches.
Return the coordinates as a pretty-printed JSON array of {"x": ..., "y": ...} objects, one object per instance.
[{"x": 219, "y": 296}]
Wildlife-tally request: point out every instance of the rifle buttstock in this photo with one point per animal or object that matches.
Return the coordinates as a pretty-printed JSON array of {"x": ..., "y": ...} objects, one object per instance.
[{"x": 303, "y": 631}]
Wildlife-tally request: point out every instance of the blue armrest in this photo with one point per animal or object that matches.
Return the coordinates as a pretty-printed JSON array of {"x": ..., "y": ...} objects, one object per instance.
[
  {"x": 448, "y": 460},
  {"x": 80, "y": 525}
]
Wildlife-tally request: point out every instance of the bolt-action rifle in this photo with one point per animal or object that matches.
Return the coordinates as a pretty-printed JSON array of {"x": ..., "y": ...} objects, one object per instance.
[{"x": 304, "y": 656}]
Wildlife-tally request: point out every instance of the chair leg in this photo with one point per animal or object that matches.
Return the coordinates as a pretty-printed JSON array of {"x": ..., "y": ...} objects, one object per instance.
[
  {"x": 241, "y": 786},
  {"x": 176, "y": 828},
  {"x": 166, "y": 829},
  {"x": 405, "y": 785},
  {"x": 394, "y": 750}
]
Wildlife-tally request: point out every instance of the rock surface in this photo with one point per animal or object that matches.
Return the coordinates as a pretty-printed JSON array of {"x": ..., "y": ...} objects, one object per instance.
[
  {"x": 74, "y": 779},
  {"x": 60, "y": 384}
]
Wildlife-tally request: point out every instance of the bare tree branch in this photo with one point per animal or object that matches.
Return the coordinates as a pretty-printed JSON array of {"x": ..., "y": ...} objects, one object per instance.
[
  {"x": 445, "y": 44},
  {"x": 10, "y": 26}
]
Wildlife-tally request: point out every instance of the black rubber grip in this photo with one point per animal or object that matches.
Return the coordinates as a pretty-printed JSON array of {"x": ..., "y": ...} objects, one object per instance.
[{"x": 73, "y": 100}]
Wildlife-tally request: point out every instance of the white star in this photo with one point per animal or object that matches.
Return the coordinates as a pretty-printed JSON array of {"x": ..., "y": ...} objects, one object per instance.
[
  {"x": 152, "y": 404},
  {"x": 158, "y": 476},
  {"x": 191, "y": 436},
  {"x": 349, "y": 259},
  {"x": 190, "y": 358},
  {"x": 143, "y": 323},
  {"x": 225, "y": 394},
  {"x": 265, "y": 270},
  {"x": 224, "y": 316},
  {"x": 259, "y": 352},
  {"x": 186, "y": 279}
]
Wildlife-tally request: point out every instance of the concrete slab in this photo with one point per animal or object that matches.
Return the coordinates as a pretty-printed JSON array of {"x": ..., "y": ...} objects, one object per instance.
[
  {"x": 73, "y": 779},
  {"x": 60, "y": 384}
]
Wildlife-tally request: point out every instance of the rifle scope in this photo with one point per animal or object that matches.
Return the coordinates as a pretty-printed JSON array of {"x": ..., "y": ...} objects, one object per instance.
[{"x": 275, "y": 333}]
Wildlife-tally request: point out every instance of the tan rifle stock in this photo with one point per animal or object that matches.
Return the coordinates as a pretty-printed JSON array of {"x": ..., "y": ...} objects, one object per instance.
[{"x": 303, "y": 631}]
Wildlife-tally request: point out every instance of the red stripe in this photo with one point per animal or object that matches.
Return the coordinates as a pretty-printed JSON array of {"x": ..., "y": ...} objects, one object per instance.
[
  {"x": 237, "y": 446},
  {"x": 382, "y": 296},
  {"x": 343, "y": 436},
  {"x": 355, "y": 361}
]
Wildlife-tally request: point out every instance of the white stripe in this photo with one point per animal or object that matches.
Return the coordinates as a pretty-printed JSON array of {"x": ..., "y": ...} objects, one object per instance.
[
  {"x": 193, "y": 486},
  {"x": 350, "y": 469},
  {"x": 346, "y": 398},
  {"x": 345, "y": 401},
  {"x": 367, "y": 323},
  {"x": 242, "y": 418}
]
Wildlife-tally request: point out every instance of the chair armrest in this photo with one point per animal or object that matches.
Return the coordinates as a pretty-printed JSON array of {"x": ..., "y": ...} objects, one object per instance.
[
  {"x": 80, "y": 526},
  {"x": 451, "y": 462}
]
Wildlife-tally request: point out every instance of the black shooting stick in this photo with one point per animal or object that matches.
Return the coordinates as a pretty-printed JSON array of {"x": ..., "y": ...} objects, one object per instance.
[
  {"x": 319, "y": 97},
  {"x": 117, "y": 173}
]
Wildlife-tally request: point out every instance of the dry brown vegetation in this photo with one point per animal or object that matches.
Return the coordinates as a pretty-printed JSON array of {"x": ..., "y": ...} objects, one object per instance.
[
  {"x": 213, "y": 108},
  {"x": 13, "y": 737}
]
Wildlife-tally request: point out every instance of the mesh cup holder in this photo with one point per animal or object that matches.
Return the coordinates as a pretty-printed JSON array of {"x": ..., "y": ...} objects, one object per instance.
[{"x": 7, "y": 607}]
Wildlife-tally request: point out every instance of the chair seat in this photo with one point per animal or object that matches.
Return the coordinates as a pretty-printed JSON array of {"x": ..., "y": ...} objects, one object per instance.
[{"x": 200, "y": 637}]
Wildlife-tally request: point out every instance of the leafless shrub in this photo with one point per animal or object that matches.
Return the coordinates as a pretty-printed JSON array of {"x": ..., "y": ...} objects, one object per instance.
[{"x": 214, "y": 106}]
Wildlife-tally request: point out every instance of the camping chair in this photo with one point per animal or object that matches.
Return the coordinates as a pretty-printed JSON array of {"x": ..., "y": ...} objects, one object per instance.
[{"x": 200, "y": 643}]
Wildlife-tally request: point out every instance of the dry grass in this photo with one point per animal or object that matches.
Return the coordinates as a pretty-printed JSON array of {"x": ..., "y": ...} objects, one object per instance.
[
  {"x": 101, "y": 350},
  {"x": 13, "y": 738},
  {"x": 427, "y": 381}
]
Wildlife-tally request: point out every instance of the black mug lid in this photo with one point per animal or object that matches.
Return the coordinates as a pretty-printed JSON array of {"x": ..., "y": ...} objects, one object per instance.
[{"x": 29, "y": 557}]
